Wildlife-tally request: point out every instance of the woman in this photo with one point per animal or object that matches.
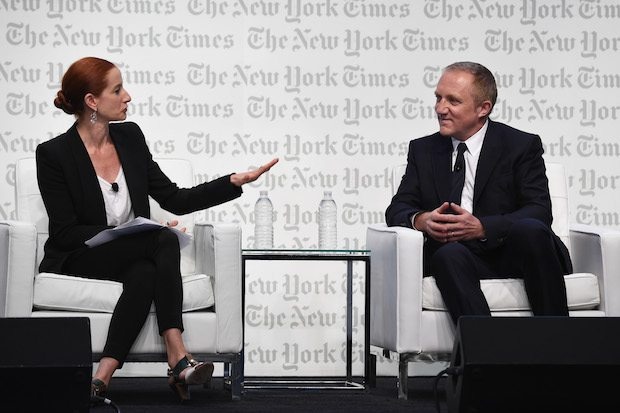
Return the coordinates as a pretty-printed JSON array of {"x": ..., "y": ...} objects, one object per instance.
[{"x": 100, "y": 174}]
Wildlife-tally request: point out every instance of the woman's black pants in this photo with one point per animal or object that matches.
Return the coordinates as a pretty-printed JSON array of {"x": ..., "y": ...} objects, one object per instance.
[{"x": 148, "y": 266}]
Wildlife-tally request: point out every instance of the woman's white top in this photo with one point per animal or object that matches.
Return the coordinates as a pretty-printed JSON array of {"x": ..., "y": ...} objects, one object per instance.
[{"x": 117, "y": 202}]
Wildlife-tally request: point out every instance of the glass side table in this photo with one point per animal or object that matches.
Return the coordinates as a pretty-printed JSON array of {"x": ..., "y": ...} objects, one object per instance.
[{"x": 348, "y": 256}]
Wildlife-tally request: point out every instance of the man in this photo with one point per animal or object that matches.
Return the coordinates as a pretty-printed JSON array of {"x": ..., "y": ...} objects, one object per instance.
[{"x": 484, "y": 206}]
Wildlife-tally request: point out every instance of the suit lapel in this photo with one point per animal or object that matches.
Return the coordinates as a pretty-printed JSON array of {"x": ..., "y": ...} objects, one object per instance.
[
  {"x": 490, "y": 154},
  {"x": 441, "y": 160},
  {"x": 89, "y": 184},
  {"x": 131, "y": 171}
]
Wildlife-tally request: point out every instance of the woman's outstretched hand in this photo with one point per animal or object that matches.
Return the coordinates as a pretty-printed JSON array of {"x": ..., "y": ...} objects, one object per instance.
[{"x": 251, "y": 176}]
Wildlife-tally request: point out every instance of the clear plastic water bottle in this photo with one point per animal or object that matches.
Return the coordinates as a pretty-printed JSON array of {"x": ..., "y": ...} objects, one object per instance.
[
  {"x": 263, "y": 222},
  {"x": 327, "y": 222}
]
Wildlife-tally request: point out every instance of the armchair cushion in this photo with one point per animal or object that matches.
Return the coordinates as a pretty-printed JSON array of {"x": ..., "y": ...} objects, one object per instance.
[
  {"x": 582, "y": 291},
  {"x": 69, "y": 293}
]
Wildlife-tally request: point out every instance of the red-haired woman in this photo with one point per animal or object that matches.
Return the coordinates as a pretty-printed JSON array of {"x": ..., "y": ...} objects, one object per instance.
[{"x": 100, "y": 174}]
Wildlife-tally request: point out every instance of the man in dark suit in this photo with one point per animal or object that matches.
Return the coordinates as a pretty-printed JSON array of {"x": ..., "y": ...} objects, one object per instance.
[{"x": 479, "y": 192}]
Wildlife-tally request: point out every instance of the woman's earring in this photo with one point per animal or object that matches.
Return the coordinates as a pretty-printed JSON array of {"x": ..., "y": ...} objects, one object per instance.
[{"x": 93, "y": 117}]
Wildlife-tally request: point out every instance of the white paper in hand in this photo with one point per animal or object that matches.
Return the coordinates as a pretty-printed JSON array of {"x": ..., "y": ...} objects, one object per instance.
[{"x": 138, "y": 224}]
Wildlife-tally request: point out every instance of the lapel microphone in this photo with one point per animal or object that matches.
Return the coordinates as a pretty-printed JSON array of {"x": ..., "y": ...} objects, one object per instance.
[{"x": 115, "y": 187}]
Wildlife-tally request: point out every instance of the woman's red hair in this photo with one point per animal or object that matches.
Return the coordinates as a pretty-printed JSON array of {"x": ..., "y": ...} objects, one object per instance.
[{"x": 87, "y": 75}]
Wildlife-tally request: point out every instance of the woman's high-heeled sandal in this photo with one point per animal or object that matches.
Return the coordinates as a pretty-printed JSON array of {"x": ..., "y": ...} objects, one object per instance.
[
  {"x": 98, "y": 388},
  {"x": 188, "y": 371}
]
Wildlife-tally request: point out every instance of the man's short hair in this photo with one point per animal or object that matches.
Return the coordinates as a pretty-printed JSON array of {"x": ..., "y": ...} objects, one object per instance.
[{"x": 484, "y": 81}]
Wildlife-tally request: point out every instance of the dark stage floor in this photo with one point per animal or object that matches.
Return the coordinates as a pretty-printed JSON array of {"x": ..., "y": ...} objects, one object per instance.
[{"x": 152, "y": 395}]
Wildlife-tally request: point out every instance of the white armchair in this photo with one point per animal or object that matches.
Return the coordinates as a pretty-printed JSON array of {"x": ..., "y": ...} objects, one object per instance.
[
  {"x": 409, "y": 321},
  {"x": 211, "y": 269}
]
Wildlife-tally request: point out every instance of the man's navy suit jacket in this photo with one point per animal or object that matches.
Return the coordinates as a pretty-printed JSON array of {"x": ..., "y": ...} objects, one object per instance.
[{"x": 511, "y": 184}]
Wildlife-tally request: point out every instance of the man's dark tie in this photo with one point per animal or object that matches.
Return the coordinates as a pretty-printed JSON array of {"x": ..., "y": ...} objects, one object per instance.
[{"x": 458, "y": 175}]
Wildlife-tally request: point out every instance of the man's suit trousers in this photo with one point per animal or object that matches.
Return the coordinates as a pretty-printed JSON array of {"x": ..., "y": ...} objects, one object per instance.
[{"x": 528, "y": 252}]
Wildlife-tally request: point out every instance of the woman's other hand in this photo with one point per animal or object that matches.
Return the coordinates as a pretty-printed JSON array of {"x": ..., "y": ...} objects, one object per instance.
[
  {"x": 239, "y": 179},
  {"x": 174, "y": 223}
]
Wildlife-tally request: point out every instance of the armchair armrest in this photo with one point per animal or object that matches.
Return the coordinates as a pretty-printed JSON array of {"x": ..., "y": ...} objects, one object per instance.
[
  {"x": 18, "y": 258},
  {"x": 597, "y": 250},
  {"x": 218, "y": 254},
  {"x": 396, "y": 287}
]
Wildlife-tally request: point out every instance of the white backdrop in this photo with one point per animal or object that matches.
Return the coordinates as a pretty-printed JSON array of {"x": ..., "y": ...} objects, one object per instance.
[{"x": 335, "y": 89}]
